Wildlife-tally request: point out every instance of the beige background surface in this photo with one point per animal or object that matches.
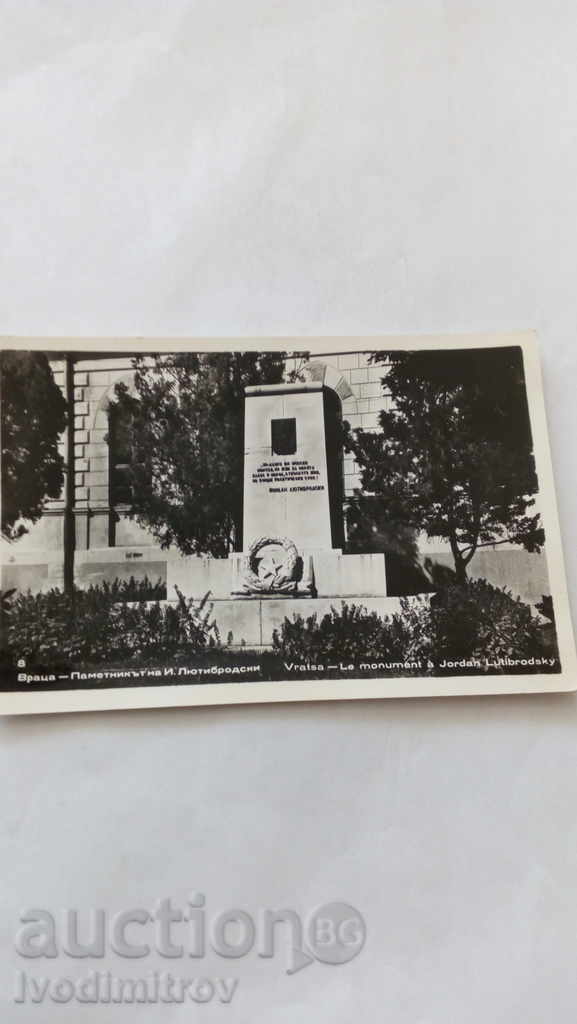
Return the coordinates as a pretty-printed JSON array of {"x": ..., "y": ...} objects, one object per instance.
[{"x": 225, "y": 169}]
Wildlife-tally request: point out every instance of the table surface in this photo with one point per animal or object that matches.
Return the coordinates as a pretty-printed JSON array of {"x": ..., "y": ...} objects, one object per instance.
[{"x": 260, "y": 168}]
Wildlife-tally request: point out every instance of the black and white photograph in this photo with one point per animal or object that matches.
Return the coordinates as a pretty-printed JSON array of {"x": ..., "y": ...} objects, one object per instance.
[{"x": 325, "y": 519}]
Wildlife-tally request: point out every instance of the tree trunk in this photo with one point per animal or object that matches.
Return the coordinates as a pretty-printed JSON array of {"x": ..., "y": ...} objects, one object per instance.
[
  {"x": 460, "y": 562},
  {"x": 461, "y": 571}
]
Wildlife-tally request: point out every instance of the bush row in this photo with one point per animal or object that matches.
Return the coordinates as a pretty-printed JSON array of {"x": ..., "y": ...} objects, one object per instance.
[
  {"x": 100, "y": 625},
  {"x": 471, "y": 621}
]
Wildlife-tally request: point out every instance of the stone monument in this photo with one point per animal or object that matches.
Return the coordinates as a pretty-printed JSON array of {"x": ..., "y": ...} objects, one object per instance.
[
  {"x": 293, "y": 500},
  {"x": 292, "y": 560},
  {"x": 286, "y": 489}
]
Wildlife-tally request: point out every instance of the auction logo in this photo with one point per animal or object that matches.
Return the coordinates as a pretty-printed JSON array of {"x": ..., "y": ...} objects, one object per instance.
[{"x": 332, "y": 934}]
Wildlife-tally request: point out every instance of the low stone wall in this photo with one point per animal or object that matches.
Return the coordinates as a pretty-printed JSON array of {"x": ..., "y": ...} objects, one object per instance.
[{"x": 250, "y": 622}]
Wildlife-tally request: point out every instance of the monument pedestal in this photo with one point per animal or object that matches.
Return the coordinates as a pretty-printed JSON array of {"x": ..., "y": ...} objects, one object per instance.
[
  {"x": 324, "y": 574},
  {"x": 251, "y": 618},
  {"x": 250, "y": 623}
]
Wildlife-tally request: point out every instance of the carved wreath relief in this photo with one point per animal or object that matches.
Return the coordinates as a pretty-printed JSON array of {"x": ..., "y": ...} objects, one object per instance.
[{"x": 271, "y": 566}]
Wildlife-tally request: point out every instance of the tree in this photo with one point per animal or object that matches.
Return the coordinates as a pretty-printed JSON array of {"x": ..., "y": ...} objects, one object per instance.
[
  {"x": 453, "y": 458},
  {"x": 186, "y": 416},
  {"x": 32, "y": 418}
]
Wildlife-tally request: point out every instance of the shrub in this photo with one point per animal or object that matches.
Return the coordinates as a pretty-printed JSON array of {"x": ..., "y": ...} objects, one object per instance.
[
  {"x": 352, "y": 632},
  {"x": 478, "y": 620},
  {"x": 100, "y": 625}
]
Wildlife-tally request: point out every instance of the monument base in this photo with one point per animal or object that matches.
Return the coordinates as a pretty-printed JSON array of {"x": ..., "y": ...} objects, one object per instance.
[
  {"x": 249, "y": 624},
  {"x": 248, "y": 619},
  {"x": 324, "y": 574}
]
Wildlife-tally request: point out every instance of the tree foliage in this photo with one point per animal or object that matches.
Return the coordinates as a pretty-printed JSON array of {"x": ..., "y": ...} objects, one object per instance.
[
  {"x": 32, "y": 418},
  {"x": 453, "y": 457},
  {"x": 186, "y": 414}
]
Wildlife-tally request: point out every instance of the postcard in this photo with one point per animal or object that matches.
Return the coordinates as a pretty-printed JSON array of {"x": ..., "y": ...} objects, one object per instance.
[{"x": 214, "y": 521}]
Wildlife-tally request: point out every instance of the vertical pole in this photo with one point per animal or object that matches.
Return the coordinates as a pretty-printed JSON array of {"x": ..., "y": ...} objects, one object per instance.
[{"x": 69, "y": 524}]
